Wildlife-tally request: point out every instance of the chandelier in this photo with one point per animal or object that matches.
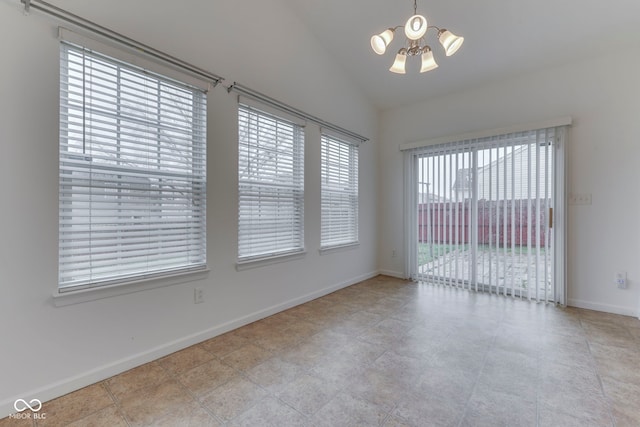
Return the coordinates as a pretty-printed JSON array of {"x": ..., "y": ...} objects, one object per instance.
[{"x": 416, "y": 45}]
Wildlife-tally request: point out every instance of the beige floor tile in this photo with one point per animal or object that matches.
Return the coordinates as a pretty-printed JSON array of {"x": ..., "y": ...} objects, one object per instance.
[
  {"x": 274, "y": 374},
  {"x": 306, "y": 354},
  {"x": 108, "y": 417},
  {"x": 255, "y": 330},
  {"x": 280, "y": 321},
  {"x": 76, "y": 405},
  {"x": 224, "y": 344},
  {"x": 17, "y": 422},
  {"x": 394, "y": 421},
  {"x": 447, "y": 382},
  {"x": 488, "y": 408},
  {"x": 233, "y": 398},
  {"x": 626, "y": 416},
  {"x": 152, "y": 403},
  {"x": 270, "y": 412},
  {"x": 385, "y": 352},
  {"x": 360, "y": 352},
  {"x": 303, "y": 329},
  {"x": 128, "y": 382},
  {"x": 307, "y": 394},
  {"x": 404, "y": 370},
  {"x": 623, "y": 398},
  {"x": 247, "y": 357},
  {"x": 562, "y": 376},
  {"x": 416, "y": 410},
  {"x": 277, "y": 341},
  {"x": 379, "y": 388},
  {"x": 347, "y": 410},
  {"x": 590, "y": 406},
  {"x": 189, "y": 415},
  {"x": 357, "y": 323},
  {"x": 341, "y": 371},
  {"x": 204, "y": 378},
  {"x": 184, "y": 360},
  {"x": 552, "y": 417}
]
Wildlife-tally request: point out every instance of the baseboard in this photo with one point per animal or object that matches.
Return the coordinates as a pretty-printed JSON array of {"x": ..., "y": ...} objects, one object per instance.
[
  {"x": 392, "y": 273},
  {"x": 51, "y": 391},
  {"x": 607, "y": 308}
]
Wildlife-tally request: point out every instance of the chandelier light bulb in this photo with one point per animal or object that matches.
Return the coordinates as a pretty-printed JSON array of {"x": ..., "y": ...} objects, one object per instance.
[
  {"x": 449, "y": 41},
  {"x": 415, "y": 27},
  {"x": 379, "y": 42},
  {"x": 398, "y": 66}
]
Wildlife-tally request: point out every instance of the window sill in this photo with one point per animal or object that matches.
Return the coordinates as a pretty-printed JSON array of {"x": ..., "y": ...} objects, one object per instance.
[
  {"x": 269, "y": 260},
  {"x": 338, "y": 248},
  {"x": 61, "y": 299}
]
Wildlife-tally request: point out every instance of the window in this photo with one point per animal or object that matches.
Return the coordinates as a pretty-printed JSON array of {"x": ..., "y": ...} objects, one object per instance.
[
  {"x": 271, "y": 185},
  {"x": 339, "y": 192},
  {"x": 132, "y": 179}
]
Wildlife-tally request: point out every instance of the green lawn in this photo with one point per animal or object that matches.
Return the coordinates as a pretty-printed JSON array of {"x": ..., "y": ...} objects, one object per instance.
[{"x": 427, "y": 253}]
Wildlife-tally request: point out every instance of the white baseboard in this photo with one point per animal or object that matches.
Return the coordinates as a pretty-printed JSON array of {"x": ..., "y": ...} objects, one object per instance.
[
  {"x": 607, "y": 308},
  {"x": 392, "y": 273},
  {"x": 60, "y": 388}
]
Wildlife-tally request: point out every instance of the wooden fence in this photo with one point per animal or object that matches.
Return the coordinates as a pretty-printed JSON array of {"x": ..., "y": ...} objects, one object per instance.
[{"x": 499, "y": 222}]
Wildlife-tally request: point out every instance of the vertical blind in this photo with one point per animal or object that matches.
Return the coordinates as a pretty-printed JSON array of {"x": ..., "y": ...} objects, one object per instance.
[
  {"x": 132, "y": 175},
  {"x": 339, "y": 200},
  {"x": 271, "y": 185},
  {"x": 482, "y": 213}
]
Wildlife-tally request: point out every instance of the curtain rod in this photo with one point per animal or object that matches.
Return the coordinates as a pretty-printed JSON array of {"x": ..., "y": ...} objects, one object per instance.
[
  {"x": 243, "y": 90},
  {"x": 80, "y": 22},
  {"x": 83, "y": 23}
]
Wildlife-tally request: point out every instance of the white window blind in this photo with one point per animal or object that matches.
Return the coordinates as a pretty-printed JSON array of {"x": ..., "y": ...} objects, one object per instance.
[
  {"x": 339, "y": 223},
  {"x": 132, "y": 175},
  {"x": 481, "y": 213},
  {"x": 271, "y": 185}
]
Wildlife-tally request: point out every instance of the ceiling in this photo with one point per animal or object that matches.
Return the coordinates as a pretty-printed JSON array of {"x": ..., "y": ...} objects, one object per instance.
[{"x": 503, "y": 38}]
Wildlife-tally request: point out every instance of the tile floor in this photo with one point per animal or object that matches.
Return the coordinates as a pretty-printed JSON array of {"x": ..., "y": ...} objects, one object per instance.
[{"x": 385, "y": 352}]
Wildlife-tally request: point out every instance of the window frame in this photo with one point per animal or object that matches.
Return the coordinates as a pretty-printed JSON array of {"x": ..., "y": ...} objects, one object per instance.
[
  {"x": 332, "y": 145},
  {"x": 65, "y": 294},
  {"x": 262, "y": 129}
]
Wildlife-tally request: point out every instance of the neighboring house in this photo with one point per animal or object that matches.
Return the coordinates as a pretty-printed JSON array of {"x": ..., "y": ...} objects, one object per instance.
[{"x": 520, "y": 166}]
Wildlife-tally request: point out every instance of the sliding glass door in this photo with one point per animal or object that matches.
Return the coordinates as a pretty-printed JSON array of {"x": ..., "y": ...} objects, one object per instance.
[{"x": 482, "y": 214}]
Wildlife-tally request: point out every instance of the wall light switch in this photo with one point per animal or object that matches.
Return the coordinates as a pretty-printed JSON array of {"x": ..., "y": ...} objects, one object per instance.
[{"x": 580, "y": 199}]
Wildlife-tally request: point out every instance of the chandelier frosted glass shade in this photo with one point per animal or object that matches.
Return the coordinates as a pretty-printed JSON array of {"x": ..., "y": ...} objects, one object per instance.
[
  {"x": 449, "y": 41},
  {"x": 399, "y": 65},
  {"x": 379, "y": 42},
  {"x": 415, "y": 44},
  {"x": 416, "y": 27},
  {"x": 428, "y": 61}
]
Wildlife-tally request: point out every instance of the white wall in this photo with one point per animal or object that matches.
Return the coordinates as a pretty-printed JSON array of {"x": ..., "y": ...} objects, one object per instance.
[
  {"x": 603, "y": 97},
  {"x": 45, "y": 350}
]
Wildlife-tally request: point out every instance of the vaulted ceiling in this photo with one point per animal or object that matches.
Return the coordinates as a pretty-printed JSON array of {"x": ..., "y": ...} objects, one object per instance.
[{"x": 503, "y": 38}]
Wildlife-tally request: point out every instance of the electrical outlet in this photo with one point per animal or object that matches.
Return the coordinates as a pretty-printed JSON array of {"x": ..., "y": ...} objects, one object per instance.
[
  {"x": 198, "y": 295},
  {"x": 621, "y": 280},
  {"x": 393, "y": 253}
]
